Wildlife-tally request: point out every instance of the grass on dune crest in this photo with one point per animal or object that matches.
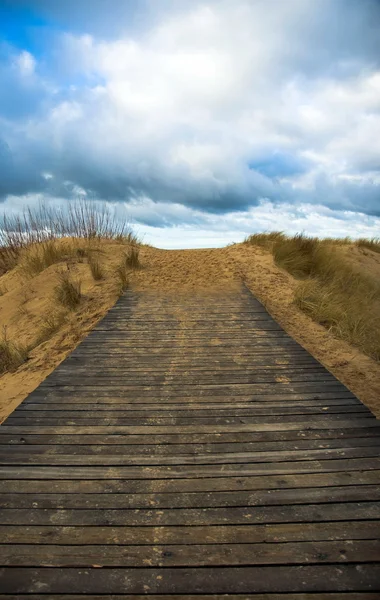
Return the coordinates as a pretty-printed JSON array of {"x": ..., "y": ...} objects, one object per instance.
[
  {"x": 372, "y": 244},
  {"x": 32, "y": 236},
  {"x": 59, "y": 266},
  {"x": 332, "y": 290}
]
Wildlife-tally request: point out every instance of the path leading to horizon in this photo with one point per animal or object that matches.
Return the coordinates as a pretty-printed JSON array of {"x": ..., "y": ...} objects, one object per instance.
[{"x": 190, "y": 447}]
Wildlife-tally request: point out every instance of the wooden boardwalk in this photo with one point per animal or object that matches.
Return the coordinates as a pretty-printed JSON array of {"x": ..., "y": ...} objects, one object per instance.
[{"x": 190, "y": 448}]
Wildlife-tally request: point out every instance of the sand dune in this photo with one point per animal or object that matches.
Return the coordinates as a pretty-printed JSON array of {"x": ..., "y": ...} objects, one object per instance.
[{"x": 27, "y": 302}]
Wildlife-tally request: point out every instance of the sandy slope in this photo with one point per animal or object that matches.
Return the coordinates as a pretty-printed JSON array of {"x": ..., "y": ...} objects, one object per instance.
[{"x": 176, "y": 272}]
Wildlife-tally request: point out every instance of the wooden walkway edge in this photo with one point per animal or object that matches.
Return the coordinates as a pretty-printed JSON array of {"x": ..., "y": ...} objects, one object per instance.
[{"x": 189, "y": 448}]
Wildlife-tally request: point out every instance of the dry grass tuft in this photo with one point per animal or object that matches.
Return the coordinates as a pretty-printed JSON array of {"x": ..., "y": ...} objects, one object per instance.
[
  {"x": 95, "y": 267},
  {"x": 68, "y": 291},
  {"x": 132, "y": 260},
  {"x": 122, "y": 274},
  {"x": 12, "y": 355},
  {"x": 81, "y": 253}
]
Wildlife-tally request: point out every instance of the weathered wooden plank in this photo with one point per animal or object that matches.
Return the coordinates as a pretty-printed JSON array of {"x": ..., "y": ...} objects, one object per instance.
[
  {"x": 48, "y": 396},
  {"x": 93, "y": 495},
  {"x": 231, "y": 516},
  {"x": 189, "y": 486},
  {"x": 183, "y": 417},
  {"x": 192, "y": 439},
  {"x": 211, "y": 534},
  {"x": 358, "y": 551},
  {"x": 116, "y": 389},
  {"x": 158, "y": 365},
  {"x": 114, "y": 364},
  {"x": 16, "y": 457},
  {"x": 256, "y": 327},
  {"x": 104, "y": 498},
  {"x": 193, "y": 384},
  {"x": 214, "y": 407},
  {"x": 180, "y": 580},
  {"x": 186, "y": 471},
  {"x": 86, "y": 411},
  {"x": 103, "y": 419},
  {"x": 277, "y": 337},
  {"x": 155, "y": 375},
  {"x": 83, "y": 446},
  {"x": 195, "y": 355},
  {"x": 321, "y": 424},
  {"x": 281, "y": 596}
]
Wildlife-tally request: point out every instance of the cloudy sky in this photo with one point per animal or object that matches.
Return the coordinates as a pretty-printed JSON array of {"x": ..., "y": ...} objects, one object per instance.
[{"x": 207, "y": 119}]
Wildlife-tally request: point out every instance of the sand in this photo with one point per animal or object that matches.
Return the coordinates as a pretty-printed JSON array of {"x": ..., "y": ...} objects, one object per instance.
[{"x": 180, "y": 272}]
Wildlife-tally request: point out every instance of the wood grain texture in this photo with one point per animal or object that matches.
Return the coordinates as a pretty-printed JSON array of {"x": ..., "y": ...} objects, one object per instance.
[{"x": 190, "y": 449}]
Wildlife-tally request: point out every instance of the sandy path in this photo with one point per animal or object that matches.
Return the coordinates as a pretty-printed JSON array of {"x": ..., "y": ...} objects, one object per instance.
[
  {"x": 214, "y": 271},
  {"x": 222, "y": 269}
]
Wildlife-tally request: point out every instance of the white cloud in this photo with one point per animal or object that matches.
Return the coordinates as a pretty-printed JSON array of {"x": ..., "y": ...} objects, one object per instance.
[
  {"x": 218, "y": 230},
  {"x": 206, "y": 91},
  {"x": 168, "y": 225},
  {"x": 211, "y": 109}
]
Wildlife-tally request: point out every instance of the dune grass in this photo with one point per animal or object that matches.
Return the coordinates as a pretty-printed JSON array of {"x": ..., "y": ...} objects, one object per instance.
[
  {"x": 31, "y": 236},
  {"x": 265, "y": 240},
  {"x": 331, "y": 289},
  {"x": 66, "y": 235},
  {"x": 132, "y": 259},
  {"x": 95, "y": 267},
  {"x": 49, "y": 326},
  {"x": 12, "y": 355},
  {"x": 68, "y": 290},
  {"x": 372, "y": 244},
  {"x": 40, "y": 256},
  {"x": 122, "y": 274}
]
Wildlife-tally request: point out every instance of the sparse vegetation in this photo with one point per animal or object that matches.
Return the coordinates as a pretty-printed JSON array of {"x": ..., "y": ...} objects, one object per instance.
[
  {"x": 266, "y": 240},
  {"x": 38, "y": 257},
  {"x": 68, "y": 291},
  {"x": 81, "y": 253},
  {"x": 372, "y": 244},
  {"x": 22, "y": 311},
  {"x": 95, "y": 267},
  {"x": 61, "y": 269},
  {"x": 50, "y": 325},
  {"x": 130, "y": 262},
  {"x": 332, "y": 291},
  {"x": 132, "y": 259},
  {"x": 122, "y": 275},
  {"x": 49, "y": 234},
  {"x": 11, "y": 354},
  {"x": 36, "y": 230},
  {"x": 297, "y": 254}
]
